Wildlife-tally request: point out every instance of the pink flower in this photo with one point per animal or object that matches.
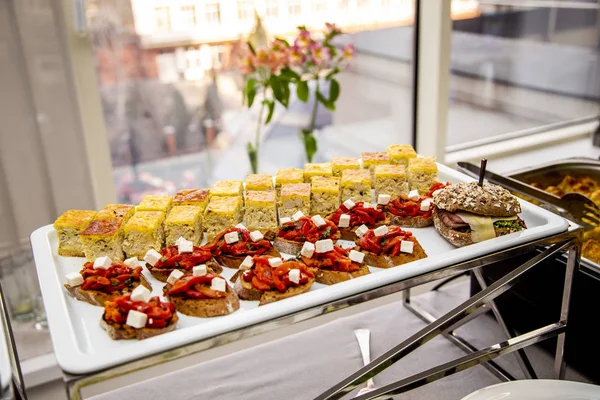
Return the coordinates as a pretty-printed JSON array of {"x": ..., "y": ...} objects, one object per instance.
[
  {"x": 247, "y": 64},
  {"x": 348, "y": 52},
  {"x": 331, "y": 29},
  {"x": 303, "y": 40},
  {"x": 320, "y": 55},
  {"x": 262, "y": 58},
  {"x": 296, "y": 55},
  {"x": 277, "y": 60}
]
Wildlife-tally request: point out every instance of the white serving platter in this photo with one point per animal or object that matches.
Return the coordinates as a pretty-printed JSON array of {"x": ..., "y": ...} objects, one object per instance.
[
  {"x": 5, "y": 368},
  {"x": 82, "y": 347}
]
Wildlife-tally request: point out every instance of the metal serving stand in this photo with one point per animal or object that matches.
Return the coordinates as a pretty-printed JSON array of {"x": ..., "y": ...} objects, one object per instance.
[{"x": 569, "y": 241}]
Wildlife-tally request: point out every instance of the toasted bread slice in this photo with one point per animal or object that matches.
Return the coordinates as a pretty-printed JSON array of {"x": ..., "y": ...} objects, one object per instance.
[
  {"x": 350, "y": 233},
  {"x": 205, "y": 308},
  {"x": 246, "y": 291},
  {"x": 385, "y": 261},
  {"x": 118, "y": 331},
  {"x": 327, "y": 277},
  {"x": 163, "y": 273},
  {"x": 411, "y": 222},
  {"x": 235, "y": 261},
  {"x": 287, "y": 246},
  {"x": 97, "y": 298}
]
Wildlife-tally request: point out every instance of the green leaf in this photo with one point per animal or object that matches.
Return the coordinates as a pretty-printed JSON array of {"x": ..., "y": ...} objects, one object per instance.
[
  {"x": 310, "y": 144},
  {"x": 334, "y": 91},
  {"x": 283, "y": 41},
  {"x": 251, "y": 48},
  {"x": 328, "y": 105},
  {"x": 302, "y": 90},
  {"x": 271, "y": 105},
  {"x": 281, "y": 90},
  {"x": 253, "y": 157},
  {"x": 289, "y": 74},
  {"x": 250, "y": 90},
  {"x": 332, "y": 73}
]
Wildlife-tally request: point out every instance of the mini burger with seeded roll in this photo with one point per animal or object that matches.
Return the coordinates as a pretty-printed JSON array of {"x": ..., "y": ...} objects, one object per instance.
[{"x": 467, "y": 213}]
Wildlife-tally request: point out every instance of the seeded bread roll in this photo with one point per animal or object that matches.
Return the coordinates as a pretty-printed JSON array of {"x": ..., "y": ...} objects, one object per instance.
[{"x": 489, "y": 200}]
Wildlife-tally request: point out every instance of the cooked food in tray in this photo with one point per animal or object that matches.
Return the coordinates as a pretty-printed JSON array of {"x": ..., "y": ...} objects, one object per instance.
[
  {"x": 261, "y": 211},
  {"x": 584, "y": 185},
  {"x": 68, "y": 228},
  {"x": 413, "y": 210},
  {"x": 102, "y": 279},
  {"x": 293, "y": 233},
  {"x": 388, "y": 246},
  {"x": 126, "y": 318},
  {"x": 325, "y": 194},
  {"x": 356, "y": 185},
  {"x": 202, "y": 294},
  {"x": 259, "y": 182},
  {"x": 332, "y": 264},
  {"x": 270, "y": 279},
  {"x": 185, "y": 222},
  {"x": 233, "y": 245},
  {"x": 221, "y": 213},
  {"x": 294, "y": 197},
  {"x": 321, "y": 169},
  {"x": 390, "y": 179},
  {"x": 350, "y": 216},
  {"x": 184, "y": 256},
  {"x": 341, "y": 164},
  {"x": 422, "y": 173},
  {"x": 192, "y": 197},
  {"x": 155, "y": 202},
  {"x": 143, "y": 231},
  {"x": 467, "y": 213}
]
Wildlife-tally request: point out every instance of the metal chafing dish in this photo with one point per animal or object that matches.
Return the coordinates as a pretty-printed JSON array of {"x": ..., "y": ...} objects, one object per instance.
[{"x": 552, "y": 173}]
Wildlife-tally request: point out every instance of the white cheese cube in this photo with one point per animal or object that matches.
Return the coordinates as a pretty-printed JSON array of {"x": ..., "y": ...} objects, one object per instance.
[
  {"x": 275, "y": 262},
  {"x": 255, "y": 236},
  {"x": 152, "y": 257},
  {"x": 247, "y": 263},
  {"x": 380, "y": 230},
  {"x": 131, "y": 262},
  {"x": 318, "y": 220},
  {"x": 185, "y": 246},
  {"x": 136, "y": 319},
  {"x": 176, "y": 274},
  {"x": 74, "y": 279},
  {"x": 356, "y": 256},
  {"x": 219, "y": 284},
  {"x": 284, "y": 220},
  {"x": 361, "y": 230},
  {"x": 294, "y": 276},
  {"x": 406, "y": 246},
  {"x": 308, "y": 249},
  {"x": 349, "y": 204},
  {"x": 413, "y": 195},
  {"x": 323, "y": 246},
  {"x": 367, "y": 205},
  {"x": 344, "y": 221},
  {"x": 425, "y": 205},
  {"x": 241, "y": 226},
  {"x": 383, "y": 199},
  {"x": 181, "y": 238},
  {"x": 232, "y": 237},
  {"x": 102, "y": 262},
  {"x": 299, "y": 214},
  {"x": 140, "y": 293},
  {"x": 200, "y": 270}
]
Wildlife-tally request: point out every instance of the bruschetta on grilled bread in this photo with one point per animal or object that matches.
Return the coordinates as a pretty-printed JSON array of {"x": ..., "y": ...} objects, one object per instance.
[
  {"x": 350, "y": 215},
  {"x": 413, "y": 210},
  {"x": 389, "y": 246},
  {"x": 171, "y": 258},
  {"x": 335, "y": 265},
  {"x": 293, "y": 234},
  {"x": 233, "y": 245}
]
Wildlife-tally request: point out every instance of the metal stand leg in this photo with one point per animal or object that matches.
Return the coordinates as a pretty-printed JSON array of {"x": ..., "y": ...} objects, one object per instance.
[{"x": 448, "y": 280}]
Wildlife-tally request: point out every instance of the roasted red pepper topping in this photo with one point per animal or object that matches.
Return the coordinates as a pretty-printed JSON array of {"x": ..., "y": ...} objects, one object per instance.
[
  {"x": 388, "y": 244},
  {"x": 112, "y": 279},
  {"x": 404, "y": 207},
  {"x": 264, "y": 277},
  {"x": 159, "y": 312},
  {"x": 243, "y": 247},
  {"x": 359, "y": 215},
  {"x": 172, "y": 259},
  {"x": 194, "y": 287},
  {"x": 336, "y": 260},
  {"x": 305, "y": 230},
  {"x": 436, "y": 186}
]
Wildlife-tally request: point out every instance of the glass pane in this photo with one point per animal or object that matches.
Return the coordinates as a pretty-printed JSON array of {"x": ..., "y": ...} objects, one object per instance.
[
  {"x": 517, "y": 68},
  {"x": 171, "y": 87}
]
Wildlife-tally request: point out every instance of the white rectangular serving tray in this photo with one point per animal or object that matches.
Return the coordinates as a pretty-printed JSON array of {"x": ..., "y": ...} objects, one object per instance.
[{"x": 82, "y": 347}]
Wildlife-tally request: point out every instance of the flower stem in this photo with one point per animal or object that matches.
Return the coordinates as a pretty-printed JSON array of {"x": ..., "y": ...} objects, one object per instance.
[
  {"x": 253, "y": 150},
  {"x": 313, "y": 117}
]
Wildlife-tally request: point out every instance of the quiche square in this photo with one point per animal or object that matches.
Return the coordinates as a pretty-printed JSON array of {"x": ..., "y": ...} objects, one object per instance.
[
  {"x": 155, "y": 202},
  {"x": 227, "y": 188},
  {"x": 401, "y": 153},
  {"x": 222, "y": 213},
  {"x": 261, "y": 210},
  {"x": 143, "y": 231},
  {"x": 294, "y": 197},
  {"x": 356, "y": 185},
  {"x": 339, "y": 164},
  {"x": 184, "y": 221},
  {"x": 103, "y": 237},
  {"x": 192, "y": 197},
  {"x": 317, "y": 169},
  {"x": 259, "y": 182},
  {"x": 120, "y": 212},
  {"x": 422, "y": 173},
  {"x": 390, "y": 179},
  {"x": 288, "y": 175},
  {"x": 325, "y": 195},
  {"x": 370, "y": 160},
  {"x": 68, "y": 228}
]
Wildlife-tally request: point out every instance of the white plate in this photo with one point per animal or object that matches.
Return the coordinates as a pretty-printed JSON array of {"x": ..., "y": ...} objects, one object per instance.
[
  {"x": 5, "y": 369},
  {"x": 537, "y": 389},
  {"x": 81, "y": 346}
]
